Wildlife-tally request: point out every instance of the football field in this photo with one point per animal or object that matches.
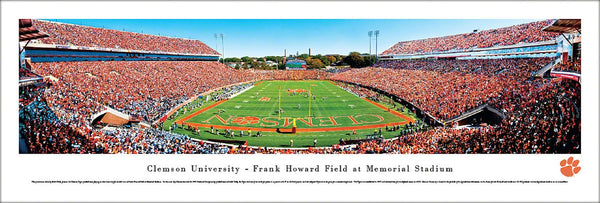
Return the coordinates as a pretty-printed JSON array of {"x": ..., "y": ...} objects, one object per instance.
[{"x": 319, "y": 110}]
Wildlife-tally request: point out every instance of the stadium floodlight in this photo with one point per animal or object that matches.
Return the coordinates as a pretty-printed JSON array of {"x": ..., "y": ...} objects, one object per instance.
[
  {"x": 223, "y": 46},
  {"x": 370, "y": 55},
  {"x": 376, "y": 35},
  {"x": 216, "y": 42}
]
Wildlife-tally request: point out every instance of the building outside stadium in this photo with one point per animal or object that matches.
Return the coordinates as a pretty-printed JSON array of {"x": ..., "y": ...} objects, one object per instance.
[{"x": 295, "y": 64}]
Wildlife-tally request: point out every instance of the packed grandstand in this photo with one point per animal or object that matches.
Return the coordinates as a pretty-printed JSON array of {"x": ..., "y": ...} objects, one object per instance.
[{"x": 541, "y": 114}]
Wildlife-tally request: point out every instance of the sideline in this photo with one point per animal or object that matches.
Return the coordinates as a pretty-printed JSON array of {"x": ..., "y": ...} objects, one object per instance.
[
  {"x": 180, "y": 121},
  {"x": 391, "y": 110},
  {"x": 240, "y": 92}
]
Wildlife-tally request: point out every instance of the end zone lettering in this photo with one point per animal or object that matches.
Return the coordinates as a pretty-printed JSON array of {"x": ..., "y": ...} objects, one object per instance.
[{"x": 308, "y": 121}]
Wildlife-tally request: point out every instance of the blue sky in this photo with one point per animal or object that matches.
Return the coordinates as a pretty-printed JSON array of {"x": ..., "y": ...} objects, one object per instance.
[{"x": 265, "y": 37}]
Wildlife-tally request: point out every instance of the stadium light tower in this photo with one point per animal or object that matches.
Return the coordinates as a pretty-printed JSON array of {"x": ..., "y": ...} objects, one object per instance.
[
  {"x": 376, "y": 35},
  {"x": 216, "y": 42},
  {"x": 370, "y": 55},
  {"x": 223, "y": 46}
]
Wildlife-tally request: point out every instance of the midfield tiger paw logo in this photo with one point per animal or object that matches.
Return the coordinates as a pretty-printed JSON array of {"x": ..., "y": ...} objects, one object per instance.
[{"x": 568, "y": 167}]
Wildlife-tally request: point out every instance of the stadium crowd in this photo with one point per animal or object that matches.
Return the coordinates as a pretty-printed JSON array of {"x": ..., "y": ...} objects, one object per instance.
[
  {"x": 45, "y": 131},
  {"x": 25, "y": 73},
  {"x": 442, "y": 94},
  {"x": 524, "y": 33},
  {"x": 569, "y": 66},
  {"x": 511, "y": 67},
  {"x": 144, "y": 89},
  {"x": 78, "y": 35},
  {"x": 544, "y": 119},
  {"x": 28, "y": 93},
  {"x": 445, "y": 88}
]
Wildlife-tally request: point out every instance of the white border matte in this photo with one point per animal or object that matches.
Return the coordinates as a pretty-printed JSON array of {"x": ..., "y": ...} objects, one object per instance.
[{"x": 19, "y": 169}]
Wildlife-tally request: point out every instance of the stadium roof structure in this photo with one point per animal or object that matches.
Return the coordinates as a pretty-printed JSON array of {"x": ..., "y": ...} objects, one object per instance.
[
  {"x": 28, "y": 32},
  {"x": 564, "y": 26}
]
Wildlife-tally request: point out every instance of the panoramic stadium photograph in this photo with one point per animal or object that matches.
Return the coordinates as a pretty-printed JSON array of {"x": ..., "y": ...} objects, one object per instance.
[{"x": 299, "y": 86}]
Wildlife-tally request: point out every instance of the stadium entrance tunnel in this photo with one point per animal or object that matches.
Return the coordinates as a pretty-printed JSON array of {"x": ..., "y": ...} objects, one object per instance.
[
  {"x": 114, "y": 118},
  {"x": 482, "y": 115}
]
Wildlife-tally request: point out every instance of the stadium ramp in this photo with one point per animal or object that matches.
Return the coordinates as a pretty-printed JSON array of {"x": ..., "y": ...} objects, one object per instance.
[
  {"x": 464, "y": 117},
  {"x": 547, "y": 67}
]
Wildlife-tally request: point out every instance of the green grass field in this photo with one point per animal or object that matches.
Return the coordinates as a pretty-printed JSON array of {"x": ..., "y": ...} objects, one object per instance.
[{"x": 334, "y": 113}]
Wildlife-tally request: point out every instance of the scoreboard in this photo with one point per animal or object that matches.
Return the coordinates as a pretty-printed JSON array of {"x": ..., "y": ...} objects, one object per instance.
[{"x": 295, "y": 65}]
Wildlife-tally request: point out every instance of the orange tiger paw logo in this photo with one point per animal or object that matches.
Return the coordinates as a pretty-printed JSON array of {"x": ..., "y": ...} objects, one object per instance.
[
  {"x": 246, "y": 120},
  {"x": 569, "y": 167}
]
